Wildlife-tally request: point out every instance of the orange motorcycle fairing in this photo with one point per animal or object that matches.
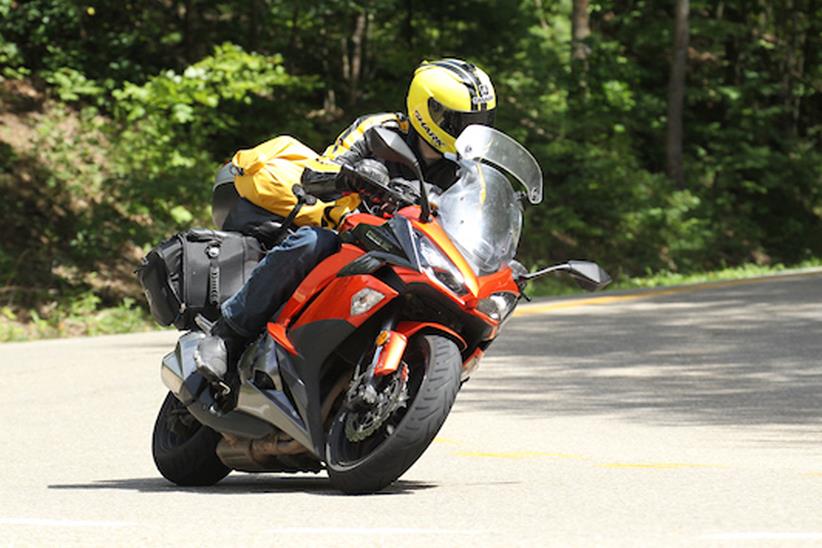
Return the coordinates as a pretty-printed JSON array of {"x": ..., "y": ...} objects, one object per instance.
[
  {"x": 277, "y": 332},
  {"x": 497, "y": 282},
  {"x": 434, "y": 232},
  {"x": 360, "y": 218},
  {"x": 335, "y": 300},
  {"x": 410, "y": 328},
  {"x": 318, "y": 278}
]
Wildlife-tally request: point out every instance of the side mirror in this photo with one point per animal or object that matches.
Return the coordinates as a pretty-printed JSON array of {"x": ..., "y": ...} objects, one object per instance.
[
  {"x": 389, "y": 146},
  {"x": 588, "y": 275}
]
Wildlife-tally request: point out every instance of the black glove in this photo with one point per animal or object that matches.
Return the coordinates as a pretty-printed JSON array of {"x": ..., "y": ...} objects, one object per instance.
[
  {"x": 401, "y": 184},
  {"x": 371, "y": 171}
]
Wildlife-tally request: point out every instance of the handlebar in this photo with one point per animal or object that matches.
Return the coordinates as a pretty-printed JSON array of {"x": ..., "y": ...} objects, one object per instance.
[{"x": 392, "y": 193}]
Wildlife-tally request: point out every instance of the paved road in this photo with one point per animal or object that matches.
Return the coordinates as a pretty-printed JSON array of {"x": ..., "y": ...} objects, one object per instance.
[{"x": 683, "y": 418}]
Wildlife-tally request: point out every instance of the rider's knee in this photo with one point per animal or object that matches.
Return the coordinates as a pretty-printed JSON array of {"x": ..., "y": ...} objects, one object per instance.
[
  {"x": 327, "y": 241},
  {"x": 317, "y": 241}
]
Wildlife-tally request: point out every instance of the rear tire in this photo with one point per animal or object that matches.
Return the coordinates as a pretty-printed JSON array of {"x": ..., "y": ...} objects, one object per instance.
[
  {"x": 184, "y": 450},
  {"x": 427, "y": 410}
]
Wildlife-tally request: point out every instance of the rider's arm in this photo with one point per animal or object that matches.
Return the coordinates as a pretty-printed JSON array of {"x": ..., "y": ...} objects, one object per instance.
[
  {"x": 348, "y": 149},
  {"x": 325, "y": 179},
  {"x": 325, "y": 176}
]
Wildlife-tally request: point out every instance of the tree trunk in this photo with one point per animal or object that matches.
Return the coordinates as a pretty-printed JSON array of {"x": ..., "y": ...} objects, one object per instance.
[
  {"x": 254, "y": 16},
  {"x": 293, "y": 40},
  {"x": 188, "y": 43},
  {"x": 813, "y": 31},
  {"x": 580, "y": 30},
  {"x": 676, "y": 96},
  {"x": 408, "y": 24},
  {"x": 543, "y": 22},
  {"x": 357, "y": 40},
  {"x": 794, "y": 32}
]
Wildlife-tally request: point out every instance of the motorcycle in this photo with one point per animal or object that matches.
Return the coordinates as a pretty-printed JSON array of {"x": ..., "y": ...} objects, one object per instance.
[{"x": 359, "y": 370}]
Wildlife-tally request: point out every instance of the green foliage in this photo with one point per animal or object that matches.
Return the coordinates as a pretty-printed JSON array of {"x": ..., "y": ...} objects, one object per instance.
[
  {"x": 10, "y": 61},
  {"x": 76, "y": 318},
  {"x": 748, "y": 270},
  {"x": 171, "y": 131},
  {"x": 71, "y": 85}
]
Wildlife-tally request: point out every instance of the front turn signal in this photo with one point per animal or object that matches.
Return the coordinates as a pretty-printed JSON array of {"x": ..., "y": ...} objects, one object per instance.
[{"x": 364, "y": 300}]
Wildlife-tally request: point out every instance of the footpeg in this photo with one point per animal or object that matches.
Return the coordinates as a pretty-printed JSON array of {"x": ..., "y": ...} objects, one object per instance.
[
  {"x": 223, "y": 389},
  {"x": 221, "y": 403}
]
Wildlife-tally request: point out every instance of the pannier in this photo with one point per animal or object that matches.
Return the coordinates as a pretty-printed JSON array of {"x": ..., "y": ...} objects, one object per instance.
[{"x": 194, "y": 272}]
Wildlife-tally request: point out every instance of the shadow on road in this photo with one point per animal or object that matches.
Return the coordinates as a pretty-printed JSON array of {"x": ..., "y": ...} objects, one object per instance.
[
  {"x": 746, "y": 355},
  {"x": 241, "y": 485}
]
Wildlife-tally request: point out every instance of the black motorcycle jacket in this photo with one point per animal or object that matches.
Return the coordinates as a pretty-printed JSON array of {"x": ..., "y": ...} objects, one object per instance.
[{"x": 351, "y": 147}]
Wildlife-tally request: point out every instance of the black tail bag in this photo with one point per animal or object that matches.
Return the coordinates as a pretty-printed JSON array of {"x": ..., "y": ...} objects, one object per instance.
[{"x": 194, "y": 272}]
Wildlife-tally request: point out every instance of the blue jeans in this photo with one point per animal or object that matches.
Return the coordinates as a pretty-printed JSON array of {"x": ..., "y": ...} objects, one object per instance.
[{"x": 276, "y": 277}]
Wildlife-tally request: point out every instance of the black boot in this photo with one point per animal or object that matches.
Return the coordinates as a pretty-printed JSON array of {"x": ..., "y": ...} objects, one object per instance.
[{"x": 217, "y": 354}]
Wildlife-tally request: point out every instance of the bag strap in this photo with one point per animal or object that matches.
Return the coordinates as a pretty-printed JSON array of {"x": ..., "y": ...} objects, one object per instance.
[
  {"x": 197, "y": 258},
  {"x": 265, "y": 236},
  {"x": 213, "y": 254}
]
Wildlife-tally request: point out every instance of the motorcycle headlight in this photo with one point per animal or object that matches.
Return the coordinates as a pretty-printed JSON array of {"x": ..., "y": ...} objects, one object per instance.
[
  {"x": 498, "y": 306},
  {"x": 439, "y": 267}
]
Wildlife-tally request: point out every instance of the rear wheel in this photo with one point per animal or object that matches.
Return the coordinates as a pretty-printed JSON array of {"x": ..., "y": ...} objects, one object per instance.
[
  {"x": 356, "y": 465},
  {"x": 183, "y": 449}
]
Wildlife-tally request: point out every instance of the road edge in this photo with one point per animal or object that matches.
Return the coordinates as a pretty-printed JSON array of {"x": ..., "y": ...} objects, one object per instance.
[{"x": 545, "y": 305}]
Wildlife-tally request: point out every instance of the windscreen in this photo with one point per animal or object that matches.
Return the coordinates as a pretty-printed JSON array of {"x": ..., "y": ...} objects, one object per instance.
[
  {"x": 486, "y": 144},
  {"x": 482, "y": 216}
]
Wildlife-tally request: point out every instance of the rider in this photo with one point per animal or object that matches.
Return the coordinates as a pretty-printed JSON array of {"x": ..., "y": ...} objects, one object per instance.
[{"x": 444, "y": 97}]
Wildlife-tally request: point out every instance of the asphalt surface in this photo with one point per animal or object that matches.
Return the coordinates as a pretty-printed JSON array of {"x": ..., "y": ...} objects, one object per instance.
[{"x": 683, "y": 418}]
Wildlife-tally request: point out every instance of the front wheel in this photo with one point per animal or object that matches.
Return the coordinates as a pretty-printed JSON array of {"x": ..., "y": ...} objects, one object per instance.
[
  {"x": 357, "y": 465},
  {"x": 184, "y": 450}
]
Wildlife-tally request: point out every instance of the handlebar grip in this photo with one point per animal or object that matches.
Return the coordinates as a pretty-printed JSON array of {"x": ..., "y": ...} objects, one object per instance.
[{"x": 372, "y": 171}]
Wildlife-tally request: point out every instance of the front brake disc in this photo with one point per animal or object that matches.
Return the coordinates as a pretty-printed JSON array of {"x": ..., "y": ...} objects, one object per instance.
[{"x": 361, "y": 424}]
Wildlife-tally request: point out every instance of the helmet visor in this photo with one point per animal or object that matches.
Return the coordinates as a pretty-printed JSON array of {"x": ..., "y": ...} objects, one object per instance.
[{"x": 454, "y": 121}]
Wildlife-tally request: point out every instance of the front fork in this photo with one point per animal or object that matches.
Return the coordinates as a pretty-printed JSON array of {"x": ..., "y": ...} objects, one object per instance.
[{"x": 389, "y": 348}]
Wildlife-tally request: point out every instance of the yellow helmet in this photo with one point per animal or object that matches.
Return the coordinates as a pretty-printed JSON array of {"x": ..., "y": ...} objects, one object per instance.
[{"x": 447, "y": 95}]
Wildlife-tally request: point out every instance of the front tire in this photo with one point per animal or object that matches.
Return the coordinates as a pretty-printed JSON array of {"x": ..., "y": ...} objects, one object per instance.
[
  {"x": 373, "y": 464},
  {"x": 184, "y": 450}
]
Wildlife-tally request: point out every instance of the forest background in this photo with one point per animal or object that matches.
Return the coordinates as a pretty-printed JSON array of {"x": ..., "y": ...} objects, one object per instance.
[{"x": 674, "y": 136}]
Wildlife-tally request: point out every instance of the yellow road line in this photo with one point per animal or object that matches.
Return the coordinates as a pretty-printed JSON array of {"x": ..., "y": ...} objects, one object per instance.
[
  {"x": 532, "y": 455},
  {"x": 518, "y": 455},
  {"x": 536, "y": 309},
  {"x": 658, "y": 465},
  {"x": 447, "y": 441}
]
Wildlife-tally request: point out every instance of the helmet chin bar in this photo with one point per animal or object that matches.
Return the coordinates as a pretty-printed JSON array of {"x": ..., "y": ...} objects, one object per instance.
[{"x": 429, "y": 153}]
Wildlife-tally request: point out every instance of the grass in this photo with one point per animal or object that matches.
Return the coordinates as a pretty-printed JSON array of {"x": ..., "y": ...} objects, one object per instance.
[
  {"x": 562, "y": 285},
  {"x": 79, "y": 318}
]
